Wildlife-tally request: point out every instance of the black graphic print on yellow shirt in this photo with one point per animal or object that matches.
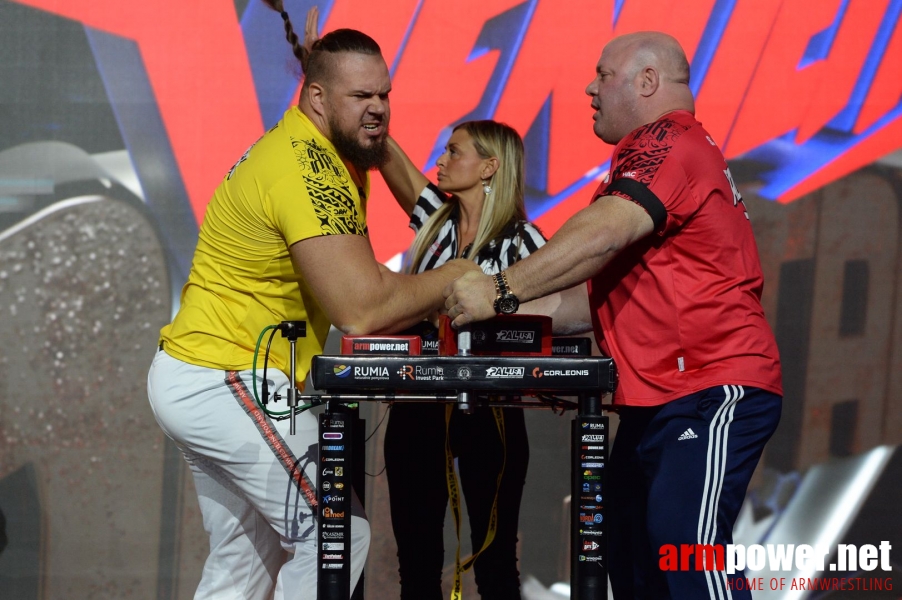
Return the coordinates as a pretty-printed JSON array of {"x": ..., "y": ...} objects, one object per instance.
[{"x": 329, "y": 189}]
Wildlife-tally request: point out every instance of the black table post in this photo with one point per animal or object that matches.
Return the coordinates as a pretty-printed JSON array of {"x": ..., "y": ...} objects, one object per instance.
[
  {"x": 358, "y": 476},
  {"x": 338, "y": 432},
  {"x": 588, "y": 541}
]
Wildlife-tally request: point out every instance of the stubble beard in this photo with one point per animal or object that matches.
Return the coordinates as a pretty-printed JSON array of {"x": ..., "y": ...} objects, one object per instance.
[{"x": 350, "y": 148}]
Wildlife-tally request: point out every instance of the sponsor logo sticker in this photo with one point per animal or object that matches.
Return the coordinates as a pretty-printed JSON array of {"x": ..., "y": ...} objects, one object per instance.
[
  {"x": 537, "y": 372},
  {"x": 371, "y": 373},
  {"x": 515, "y": 335},
  {"x": 429, "y": 373},
  {"x": 505, "y": 372},
  {"x": 382, "y": 346}
]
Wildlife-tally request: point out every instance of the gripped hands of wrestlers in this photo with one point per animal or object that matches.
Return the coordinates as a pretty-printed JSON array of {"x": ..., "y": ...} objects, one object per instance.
[
  {"x": 470, "y": 298},
  {"x": 459, "y": 267}
]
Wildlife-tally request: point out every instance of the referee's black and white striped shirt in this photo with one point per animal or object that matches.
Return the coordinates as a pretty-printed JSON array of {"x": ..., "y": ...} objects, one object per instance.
[{"x": 516, "y": 243}]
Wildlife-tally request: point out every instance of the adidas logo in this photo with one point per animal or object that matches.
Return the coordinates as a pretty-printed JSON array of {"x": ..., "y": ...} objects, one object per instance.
[{"x": 687, "y": 435}]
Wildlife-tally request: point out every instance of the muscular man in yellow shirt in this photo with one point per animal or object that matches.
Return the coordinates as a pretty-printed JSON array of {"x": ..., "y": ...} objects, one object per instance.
[{"x": 284, "y": 238}]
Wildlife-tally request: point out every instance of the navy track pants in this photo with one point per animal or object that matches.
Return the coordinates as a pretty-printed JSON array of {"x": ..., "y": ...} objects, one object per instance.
[{"x": 678, "y": 474}]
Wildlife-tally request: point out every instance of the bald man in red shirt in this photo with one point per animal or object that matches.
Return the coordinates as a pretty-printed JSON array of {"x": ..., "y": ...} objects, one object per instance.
[{"x": 674, "y": 296}]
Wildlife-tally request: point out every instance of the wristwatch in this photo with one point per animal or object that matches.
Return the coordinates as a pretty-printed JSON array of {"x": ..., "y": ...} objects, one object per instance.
[{"x": 505, "y": 302}]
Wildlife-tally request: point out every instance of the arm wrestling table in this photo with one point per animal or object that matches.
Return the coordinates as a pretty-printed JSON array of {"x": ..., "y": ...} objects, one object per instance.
[{"x": 379, "y": 375}]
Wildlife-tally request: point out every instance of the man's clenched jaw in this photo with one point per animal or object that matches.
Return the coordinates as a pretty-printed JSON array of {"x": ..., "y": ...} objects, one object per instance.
[{"x": 358, "y": 111}]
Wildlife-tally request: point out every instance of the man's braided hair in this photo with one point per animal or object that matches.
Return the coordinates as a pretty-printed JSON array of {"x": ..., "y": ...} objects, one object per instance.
[{"x": 316, "y": 61}]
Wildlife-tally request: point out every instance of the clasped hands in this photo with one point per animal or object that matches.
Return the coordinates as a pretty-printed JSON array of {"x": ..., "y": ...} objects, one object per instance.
[{"x": 470, "y": 298}]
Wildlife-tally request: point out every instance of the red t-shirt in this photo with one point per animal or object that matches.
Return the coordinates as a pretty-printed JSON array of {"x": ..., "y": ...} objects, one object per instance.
[{"x": 680, "y": 310}]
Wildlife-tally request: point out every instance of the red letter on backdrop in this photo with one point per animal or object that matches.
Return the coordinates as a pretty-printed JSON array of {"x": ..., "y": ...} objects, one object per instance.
[
  {"x": 386, "y": 22},
  {"x": 887, "y": 86},
  {"x": 727, "y": 79},
  {"x": 780, "y": 91},
  {"x": 842, "y": 66},
  {"x": 435, "y": 84},
  {"x": 558, "y": 59}
]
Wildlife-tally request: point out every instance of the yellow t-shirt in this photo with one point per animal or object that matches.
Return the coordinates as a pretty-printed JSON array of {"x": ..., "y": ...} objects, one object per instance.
[{"x": 289, "y": 186}]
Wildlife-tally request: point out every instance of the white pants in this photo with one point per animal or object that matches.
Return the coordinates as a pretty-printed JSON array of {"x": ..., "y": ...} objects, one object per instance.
[{"x": 253, "y": 481}]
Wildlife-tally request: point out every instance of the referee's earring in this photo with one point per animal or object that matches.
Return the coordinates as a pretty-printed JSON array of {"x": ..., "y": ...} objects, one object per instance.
[{"x": 486, "y": 187}]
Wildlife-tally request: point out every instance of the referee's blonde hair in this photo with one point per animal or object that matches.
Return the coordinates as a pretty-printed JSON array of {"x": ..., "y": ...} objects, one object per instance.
[{"x": 503, "y": 208}]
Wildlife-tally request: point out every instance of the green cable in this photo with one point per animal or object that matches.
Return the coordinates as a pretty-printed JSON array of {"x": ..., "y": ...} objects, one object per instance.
[
  {"x": 266, "y": 411},
  {"x": 254, "y": 372}
]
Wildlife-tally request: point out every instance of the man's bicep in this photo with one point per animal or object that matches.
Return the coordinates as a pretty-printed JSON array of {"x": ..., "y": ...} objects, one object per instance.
[
  {"x": 339, "y": 269},
  {"x": 625, "y": 221}
]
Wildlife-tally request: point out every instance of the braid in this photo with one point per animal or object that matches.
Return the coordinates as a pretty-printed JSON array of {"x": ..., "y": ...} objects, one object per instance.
[
  {"x": 297, "y": 49},
  {"x": 315, "y": 60},
  {"x": 276, "y": 5}
]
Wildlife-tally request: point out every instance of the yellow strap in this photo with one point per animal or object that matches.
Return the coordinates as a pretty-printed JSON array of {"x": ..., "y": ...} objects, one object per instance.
[{"x": 454, "y": 496}]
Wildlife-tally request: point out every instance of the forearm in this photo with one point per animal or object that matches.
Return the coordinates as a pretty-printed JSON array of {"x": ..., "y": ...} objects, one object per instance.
[
  {"x": 578, "y": 251},
  {"x": 358, "y": 295},
  {"x": 397, "y": 301},
  {"x": 568, "y": 309},
  {"x": 402, "y": 177}
]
